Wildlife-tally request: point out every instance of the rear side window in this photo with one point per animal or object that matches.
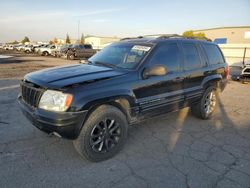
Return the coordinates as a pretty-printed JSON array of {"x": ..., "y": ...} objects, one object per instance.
[
  {"x": 213, "y": 53},
  {"x": 191, "y": 55},
  {"x": 87, "y": 46},
  {"x": 168, "y": 55}
]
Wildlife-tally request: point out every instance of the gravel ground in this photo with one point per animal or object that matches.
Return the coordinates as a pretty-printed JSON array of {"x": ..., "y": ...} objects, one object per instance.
[
  {"x": 174, "y": 150},
  {"x": 20, "y": 64}
]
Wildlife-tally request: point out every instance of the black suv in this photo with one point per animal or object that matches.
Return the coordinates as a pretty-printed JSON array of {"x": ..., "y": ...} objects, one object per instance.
[{"x": 124, "y": 83}]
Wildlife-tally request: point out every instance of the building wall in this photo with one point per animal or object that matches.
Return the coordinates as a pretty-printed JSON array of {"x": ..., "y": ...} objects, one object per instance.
[
  {"x": 233, "y": 34},
  {"x": 100, "y": 42},
  {"x": 234, "y": 53}
]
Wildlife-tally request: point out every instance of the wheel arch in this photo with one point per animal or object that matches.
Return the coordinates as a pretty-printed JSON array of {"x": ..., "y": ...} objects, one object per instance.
[{"x": 213, "y": 80}]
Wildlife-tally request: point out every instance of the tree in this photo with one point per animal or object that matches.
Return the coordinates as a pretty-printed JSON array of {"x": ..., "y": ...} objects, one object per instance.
[
  {"x": 188, "y": 34},
  {"x": 26, "y": 39},
  {"x": 67, "y": 39},
  {"x": 82, "y": 39},
  {"x": 191, "y": 34},
  {"x": 51, "y": 42},
  {"x": 55, "y": 41},
  {"x": 14, "y": 42}
]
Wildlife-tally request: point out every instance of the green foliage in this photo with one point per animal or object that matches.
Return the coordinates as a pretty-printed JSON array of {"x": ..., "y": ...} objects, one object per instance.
[
  {"x": 188, "y": 34},
  {"x": 14, "y": 42},
  {"x": 82, "y": 39},
  {"x": 67, "y": 39},
  {"x": 191, "y": 34},
  {"x": 55, "y": 41},
  {"x": 26, "y": 39}
]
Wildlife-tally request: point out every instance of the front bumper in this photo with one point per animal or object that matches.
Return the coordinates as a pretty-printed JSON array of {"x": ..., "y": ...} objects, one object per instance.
[{"x": 66, "y": 124}]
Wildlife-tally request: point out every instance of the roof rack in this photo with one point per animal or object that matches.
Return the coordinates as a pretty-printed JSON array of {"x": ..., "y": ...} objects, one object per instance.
[
  {"x": 128, "y": 38},
  {"x": 167, "y": 36}
]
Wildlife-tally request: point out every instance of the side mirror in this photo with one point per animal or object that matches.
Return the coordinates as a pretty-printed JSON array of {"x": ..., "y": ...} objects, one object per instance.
[{"x": 157, "y": 70}]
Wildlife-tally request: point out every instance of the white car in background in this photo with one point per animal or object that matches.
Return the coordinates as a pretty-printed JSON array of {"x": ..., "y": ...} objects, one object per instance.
[
  {"x": 36, "y": 49},
  {"x": 27, "y": 48},
  {"x": 20, "y": 47},
  {"x": 8, "y": 47},
  {"x": 45, "y": 51}
]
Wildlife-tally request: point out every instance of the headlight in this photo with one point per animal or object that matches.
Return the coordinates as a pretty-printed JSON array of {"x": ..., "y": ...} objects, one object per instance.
[{"x": 55, "y": 101}]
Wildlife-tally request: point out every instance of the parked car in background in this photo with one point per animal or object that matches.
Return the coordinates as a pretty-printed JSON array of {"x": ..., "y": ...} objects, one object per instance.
[
  {"x": 27, "y": 48},
  {"x": 37, "y": 48},
  {"x": 8, "y": 47},
  {"x": 55, "y": 52},
  {"x": 19, "y": 47},
  {"x": 80, "y": 51},
  {"x": 63, "y": 50},
  {"x": 45, "y": 51},
  {"x": 1, "y": 46}
]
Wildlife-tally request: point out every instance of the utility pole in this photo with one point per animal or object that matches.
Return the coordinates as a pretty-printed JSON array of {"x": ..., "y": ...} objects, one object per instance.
[{"x": 78, "y": 30}]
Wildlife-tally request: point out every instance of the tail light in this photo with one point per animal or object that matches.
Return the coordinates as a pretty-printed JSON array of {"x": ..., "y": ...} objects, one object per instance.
[{"x": 227, "y": 72}]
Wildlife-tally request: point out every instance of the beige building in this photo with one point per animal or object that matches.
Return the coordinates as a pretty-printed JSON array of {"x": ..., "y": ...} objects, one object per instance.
[
  {"x": 228, "y": 35},
  {"x": 100, "y": 42}
]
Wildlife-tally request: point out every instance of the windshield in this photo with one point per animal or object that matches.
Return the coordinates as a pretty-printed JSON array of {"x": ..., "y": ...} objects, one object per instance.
[{"x": 121, "y": 55}]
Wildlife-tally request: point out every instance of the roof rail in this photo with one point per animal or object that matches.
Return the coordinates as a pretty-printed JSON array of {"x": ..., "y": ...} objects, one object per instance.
[
  {"x": 128, "y": 38},
  {"x": 167, "y": 36}
]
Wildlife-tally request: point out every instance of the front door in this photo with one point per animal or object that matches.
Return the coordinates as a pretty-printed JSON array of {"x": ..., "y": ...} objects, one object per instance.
[{"x": 159, "y": 94}]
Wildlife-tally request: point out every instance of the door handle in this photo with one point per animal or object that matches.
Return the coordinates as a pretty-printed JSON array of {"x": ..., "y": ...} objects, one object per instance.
[{"x": 178, "y": 79}]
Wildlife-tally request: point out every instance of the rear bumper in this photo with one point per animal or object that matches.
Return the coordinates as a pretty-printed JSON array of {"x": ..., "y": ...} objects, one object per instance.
[{"x": 66, "y": 124}]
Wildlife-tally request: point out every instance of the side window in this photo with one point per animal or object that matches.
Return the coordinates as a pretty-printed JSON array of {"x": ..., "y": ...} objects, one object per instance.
[
  {"x": 88, "y": 46},
  {"x": 168, "y": 55},
  {"x": 191, "y": 55},
  {"x": 213, "y": 53}
]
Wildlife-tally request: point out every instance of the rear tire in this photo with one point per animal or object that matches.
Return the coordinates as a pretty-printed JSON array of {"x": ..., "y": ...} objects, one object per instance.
[
  {"x": 207, "y": 105},
  {"x": 45, "y": 53},
  {"x": 103, "y": 134}
]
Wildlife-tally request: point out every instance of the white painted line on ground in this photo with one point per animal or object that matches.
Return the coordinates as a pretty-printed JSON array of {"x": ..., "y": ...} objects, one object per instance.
[
  {"x": 5, "y": 56},
  {"x": 9, "y": 87}
]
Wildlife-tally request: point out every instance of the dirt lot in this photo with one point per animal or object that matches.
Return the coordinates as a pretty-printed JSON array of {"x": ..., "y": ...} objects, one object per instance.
[
  {"x": 175, "y": 150},
  {"x": 20, "y": 64}
]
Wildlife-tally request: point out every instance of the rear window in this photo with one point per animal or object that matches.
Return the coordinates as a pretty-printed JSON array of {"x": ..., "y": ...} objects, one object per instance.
[{"x": 213, "y": 53}]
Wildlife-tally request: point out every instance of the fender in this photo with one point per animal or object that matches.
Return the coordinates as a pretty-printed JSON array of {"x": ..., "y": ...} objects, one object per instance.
[
  {"x": 107, "y": 96},
  {"x": 211, "y": 78}
]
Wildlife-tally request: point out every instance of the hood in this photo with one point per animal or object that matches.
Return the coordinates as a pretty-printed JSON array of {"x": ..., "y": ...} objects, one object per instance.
[{"x": 64, "y": 76}]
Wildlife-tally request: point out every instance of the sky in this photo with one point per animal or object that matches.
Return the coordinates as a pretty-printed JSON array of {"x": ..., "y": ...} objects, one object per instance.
[{"x": 46, "y": 19}]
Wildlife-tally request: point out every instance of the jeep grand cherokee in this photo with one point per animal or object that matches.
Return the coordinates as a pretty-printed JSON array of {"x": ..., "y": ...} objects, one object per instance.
[{"x": 126, "y": 82}]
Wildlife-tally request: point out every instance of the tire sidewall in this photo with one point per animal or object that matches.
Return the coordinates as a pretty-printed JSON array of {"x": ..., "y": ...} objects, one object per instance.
[
  {"x": 203, "y": 113},
  {"x": 88, "y": 127}
]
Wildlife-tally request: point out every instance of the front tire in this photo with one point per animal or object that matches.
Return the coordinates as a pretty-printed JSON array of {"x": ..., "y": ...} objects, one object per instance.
[
  {"x": 207, "y": 105},
  {"x": 103, "y": 134}
]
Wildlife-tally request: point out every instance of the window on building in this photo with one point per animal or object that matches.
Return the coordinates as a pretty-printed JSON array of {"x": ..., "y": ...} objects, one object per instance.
[{"x": 220, "y": 40}]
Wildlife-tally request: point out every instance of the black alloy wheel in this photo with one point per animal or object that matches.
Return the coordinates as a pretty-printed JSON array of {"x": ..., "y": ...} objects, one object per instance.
[{"x": 105, "y": 135}]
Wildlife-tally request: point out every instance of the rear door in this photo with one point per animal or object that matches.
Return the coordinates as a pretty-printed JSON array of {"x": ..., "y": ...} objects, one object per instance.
[{"x": 194, "y": 67}]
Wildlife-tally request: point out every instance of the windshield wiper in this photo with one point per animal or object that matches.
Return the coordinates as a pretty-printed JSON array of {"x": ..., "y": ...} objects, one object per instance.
[{"x": 105, "y": 64}]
